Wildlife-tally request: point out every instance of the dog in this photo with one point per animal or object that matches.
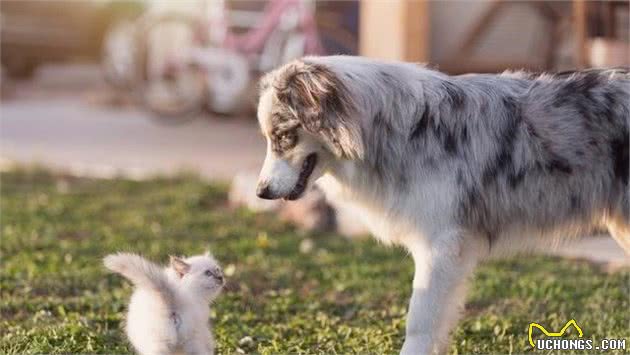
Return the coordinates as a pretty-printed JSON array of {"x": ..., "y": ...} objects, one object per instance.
[{"x": 456, "y": 169}]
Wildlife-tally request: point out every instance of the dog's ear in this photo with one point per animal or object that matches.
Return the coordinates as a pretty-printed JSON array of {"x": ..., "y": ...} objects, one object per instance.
[{"x": 318, "y": 99}]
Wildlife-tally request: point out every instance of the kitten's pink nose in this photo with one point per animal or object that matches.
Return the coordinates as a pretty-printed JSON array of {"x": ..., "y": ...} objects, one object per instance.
[{"x": 218, "y": 275}]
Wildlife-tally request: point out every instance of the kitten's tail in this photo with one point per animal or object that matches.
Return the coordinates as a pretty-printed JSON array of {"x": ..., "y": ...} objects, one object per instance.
[{"x": 142, "y": 273}]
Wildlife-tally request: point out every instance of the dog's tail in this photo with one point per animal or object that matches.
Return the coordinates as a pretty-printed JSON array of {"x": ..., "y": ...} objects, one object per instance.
[{"x": 142, "y": 273}]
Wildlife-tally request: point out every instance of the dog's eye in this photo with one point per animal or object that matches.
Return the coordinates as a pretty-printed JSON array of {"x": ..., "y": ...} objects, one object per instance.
[
  {"x": 286, "y": 140},
  {"x": 283, "y": 140}
]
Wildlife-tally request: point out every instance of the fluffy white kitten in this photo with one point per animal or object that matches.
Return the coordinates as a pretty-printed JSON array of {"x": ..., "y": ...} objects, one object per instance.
[{"x": 169, "y": 312}]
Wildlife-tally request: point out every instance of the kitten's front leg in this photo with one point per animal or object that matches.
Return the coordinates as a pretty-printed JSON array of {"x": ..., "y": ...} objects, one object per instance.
[{"x": 439, "y": 281}]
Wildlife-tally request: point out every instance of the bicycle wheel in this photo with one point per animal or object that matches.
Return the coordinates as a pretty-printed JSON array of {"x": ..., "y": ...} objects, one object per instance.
[
  {"x": 172, "y": 87},
  {"x": 228, "y": 79}
]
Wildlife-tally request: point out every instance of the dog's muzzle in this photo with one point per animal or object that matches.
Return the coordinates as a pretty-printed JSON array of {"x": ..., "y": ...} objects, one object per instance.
[
  {"x": 307, "y": 169},
  {"x": 264, "y": 190}
]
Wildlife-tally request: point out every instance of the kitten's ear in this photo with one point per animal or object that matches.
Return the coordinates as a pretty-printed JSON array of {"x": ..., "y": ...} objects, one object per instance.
[{"x": 180, "y": 266}]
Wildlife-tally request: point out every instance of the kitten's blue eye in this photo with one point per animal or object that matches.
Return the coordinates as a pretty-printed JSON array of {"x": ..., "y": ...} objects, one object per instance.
[{"x": 208, "y": 273}]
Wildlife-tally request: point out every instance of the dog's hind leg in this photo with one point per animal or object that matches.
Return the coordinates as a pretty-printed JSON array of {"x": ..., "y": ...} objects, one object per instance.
[
  {"x": 442, "y": 270},
  {"x": 618, "y": 222},
  {"x": 619, "y": 229}
]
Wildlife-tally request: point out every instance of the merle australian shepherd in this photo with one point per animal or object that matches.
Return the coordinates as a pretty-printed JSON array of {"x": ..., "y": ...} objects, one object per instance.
[{"x": 454, "y": 168}]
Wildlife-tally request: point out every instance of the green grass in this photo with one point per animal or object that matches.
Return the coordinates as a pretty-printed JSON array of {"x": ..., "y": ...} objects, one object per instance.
[{"x": 342, "y": 297}]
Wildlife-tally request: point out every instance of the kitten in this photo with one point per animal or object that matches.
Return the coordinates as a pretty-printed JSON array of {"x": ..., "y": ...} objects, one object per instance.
[{"x": 169, "y": 312}]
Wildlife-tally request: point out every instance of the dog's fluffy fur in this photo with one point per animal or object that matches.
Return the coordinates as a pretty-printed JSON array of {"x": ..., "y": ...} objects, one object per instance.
[
  {"x": 455, "y": 168},
  {"x": 168, "y": 312}
]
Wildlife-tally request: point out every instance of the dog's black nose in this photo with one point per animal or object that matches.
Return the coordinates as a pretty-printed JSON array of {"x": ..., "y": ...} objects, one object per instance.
[{"x": 263, "y": 191}]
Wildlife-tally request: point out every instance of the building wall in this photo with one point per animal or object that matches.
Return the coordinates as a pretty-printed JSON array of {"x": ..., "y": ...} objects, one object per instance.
[{"x": 518, "y": 33}]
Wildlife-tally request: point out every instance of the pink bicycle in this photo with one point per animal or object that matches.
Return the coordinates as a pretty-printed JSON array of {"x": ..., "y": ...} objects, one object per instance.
[{"x": 192, "y": 63}]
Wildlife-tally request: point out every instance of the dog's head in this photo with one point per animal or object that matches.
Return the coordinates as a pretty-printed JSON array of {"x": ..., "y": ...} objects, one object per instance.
[{"x": 309, "y": 120}]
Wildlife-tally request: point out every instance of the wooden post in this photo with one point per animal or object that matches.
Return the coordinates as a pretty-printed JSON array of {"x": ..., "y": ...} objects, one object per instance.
[
  {"x": 394, "y": 29},
  {"x": 579, "y": 31}
]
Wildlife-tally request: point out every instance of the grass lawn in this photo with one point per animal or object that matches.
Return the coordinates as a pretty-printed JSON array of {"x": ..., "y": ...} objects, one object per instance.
[{"x": 341, "y": 297}]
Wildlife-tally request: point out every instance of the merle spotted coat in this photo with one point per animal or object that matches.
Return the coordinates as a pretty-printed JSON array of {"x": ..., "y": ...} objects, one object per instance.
[{"x": 455, "y": 168}]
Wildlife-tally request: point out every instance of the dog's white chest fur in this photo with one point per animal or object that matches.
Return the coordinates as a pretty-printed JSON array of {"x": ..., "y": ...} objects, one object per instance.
[{"x": 391, "y": 218}]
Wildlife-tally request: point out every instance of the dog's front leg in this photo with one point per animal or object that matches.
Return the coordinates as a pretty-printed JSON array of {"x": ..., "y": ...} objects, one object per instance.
[{"x": 439, "y": 284}]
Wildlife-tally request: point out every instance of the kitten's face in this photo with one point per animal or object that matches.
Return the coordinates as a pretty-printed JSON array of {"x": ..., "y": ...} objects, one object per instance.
[{"x": 200, "y": 274}]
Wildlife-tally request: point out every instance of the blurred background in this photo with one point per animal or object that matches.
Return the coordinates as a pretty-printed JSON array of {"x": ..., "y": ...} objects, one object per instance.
[{"x": 138, "y": 88}]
